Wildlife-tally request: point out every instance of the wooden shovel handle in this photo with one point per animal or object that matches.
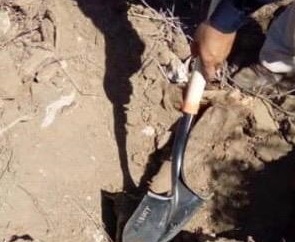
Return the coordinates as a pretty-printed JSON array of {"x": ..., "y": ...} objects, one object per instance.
[{"x": 194, "y": 93}]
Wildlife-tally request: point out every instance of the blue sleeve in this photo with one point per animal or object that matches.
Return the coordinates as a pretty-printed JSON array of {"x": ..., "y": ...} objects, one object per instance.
[{"x": 230, "y": 15}]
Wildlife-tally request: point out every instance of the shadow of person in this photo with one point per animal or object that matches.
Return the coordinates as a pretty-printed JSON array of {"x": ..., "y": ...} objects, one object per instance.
[
  {"x": 268, "y": 213},
  {"x": 123, "y": 49}
]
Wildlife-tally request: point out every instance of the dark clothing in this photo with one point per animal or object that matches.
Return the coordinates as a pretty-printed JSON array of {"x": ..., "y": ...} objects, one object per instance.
[{"x": 230, "y": 15}]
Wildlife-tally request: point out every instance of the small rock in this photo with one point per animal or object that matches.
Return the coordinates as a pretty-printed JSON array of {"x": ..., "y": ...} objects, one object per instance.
[
  {"x": 250, "y": 239},
  {"x": 139, "y": 8},
  {"x": 180, "y": 46},
  {"x": 138, "y": 159},
  {"x": 178, "y": 71},
  {"x": 55, "y": 107},
  {"x": 152, "y": 72},
  {"x": 154, "y": 94},
  {"x": 289, "y": 103},
  {"x": 172, "y": 98},
  {"x": 164, "y": 56},
  {"x": 4, "y": 23},
  {"x": 233, "y": 152},
  {"x": 263, "y": 118},
  {"x": 148, "y": 131},
  {"x": 133, "y": 118},
  {"x": 272, "y": 148}
]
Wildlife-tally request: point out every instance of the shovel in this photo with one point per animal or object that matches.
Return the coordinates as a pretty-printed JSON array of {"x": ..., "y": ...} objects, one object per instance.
[{"x": 160, "y": 218}]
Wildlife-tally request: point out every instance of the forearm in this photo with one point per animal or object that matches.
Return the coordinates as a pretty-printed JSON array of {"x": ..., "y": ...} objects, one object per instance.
[{"x": 230, "y": 15}]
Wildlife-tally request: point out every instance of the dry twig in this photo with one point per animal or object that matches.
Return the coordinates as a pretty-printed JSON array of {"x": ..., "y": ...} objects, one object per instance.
[
  {"x": 225, "y": 76},
  {"x": 92, "y": 219},
  {"x": 63, "y": 66},
  {"x": 284, "y": 94},
  {"x": 161, "y": 70},
  {"x": 166, "y": 17},
  {"x": 37, "y": 205},
  {"x": 152, "y": 18},
  {"x": 14, "y": 123},
  {"x": 262, "y": 97},
  {"x": 19, "y": 35},
  {"x": 7, "y": 166}
]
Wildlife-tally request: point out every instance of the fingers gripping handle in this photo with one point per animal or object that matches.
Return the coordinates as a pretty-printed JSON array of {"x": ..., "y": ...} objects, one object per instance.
[
  {"x": 197, "y": 83},
  {"x": 194, "y": 93}
]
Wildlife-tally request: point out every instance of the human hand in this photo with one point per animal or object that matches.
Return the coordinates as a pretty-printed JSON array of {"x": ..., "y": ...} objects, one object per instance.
[{"x": 213, "y": 47}]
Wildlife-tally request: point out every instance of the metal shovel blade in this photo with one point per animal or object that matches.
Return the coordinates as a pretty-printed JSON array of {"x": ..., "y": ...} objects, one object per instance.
[
  {"x": 188, "y": 204},
  {"x": 149, "y": 221}
]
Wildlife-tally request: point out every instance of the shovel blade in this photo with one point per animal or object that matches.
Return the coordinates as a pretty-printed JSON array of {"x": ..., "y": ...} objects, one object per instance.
[
  {"x": 149, "y": 221},
  {"x": 188, "y": 204}
]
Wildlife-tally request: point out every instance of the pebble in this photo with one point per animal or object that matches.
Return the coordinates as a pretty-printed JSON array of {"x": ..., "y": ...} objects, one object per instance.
[{"x": 149, "y": 131}]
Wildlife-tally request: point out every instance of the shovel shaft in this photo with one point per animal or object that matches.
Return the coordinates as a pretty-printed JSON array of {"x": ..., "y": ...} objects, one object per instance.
[
  {"x": 179, "y": 148},
  {"x": 190, "y": 108},
  {"x": 178, "y": 155}
]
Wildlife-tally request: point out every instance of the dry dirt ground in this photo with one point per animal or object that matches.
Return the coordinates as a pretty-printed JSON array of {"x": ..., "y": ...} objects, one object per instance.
[{"x": 87, "y": 119}]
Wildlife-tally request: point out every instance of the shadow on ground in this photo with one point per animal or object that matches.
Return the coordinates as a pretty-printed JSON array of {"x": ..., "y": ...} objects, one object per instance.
[
  {"x": 260, "y": 205},
  {"x": 269, "y": 211},
  {"x": 123, "y": 49}
]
